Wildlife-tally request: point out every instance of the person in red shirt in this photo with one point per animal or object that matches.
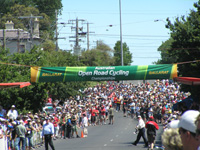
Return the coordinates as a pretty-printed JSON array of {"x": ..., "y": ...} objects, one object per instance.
[
  {"x": 151, "y": 126},
  {"x": 103, "y": 115},
  {"x": 55, "y": 124},
  {"x": 93, "y": 116},
  {"x": 115, "y": 101}
]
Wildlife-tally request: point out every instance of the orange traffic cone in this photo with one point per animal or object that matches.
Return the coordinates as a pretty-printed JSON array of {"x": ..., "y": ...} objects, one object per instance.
[{"x": 82, "y": 136}]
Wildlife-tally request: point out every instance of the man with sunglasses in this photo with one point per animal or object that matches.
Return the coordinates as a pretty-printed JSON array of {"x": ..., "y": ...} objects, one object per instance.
[{"x": 187, "y": 129}]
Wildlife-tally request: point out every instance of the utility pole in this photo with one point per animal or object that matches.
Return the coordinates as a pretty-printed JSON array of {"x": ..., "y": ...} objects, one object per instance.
[
  {"x": 56, "y": 36},
  {"x": 18, "y": 40},
  {"x": 56, "y": 30},
  {"x": 120, "y": 14},
  {"x": 88, "y": 40},
  {"x": 31, "y": 25},
  {"x": 77, "y": 49},
  {"x": 77, "y": 36},
  {"x": 4, "y": 38}
]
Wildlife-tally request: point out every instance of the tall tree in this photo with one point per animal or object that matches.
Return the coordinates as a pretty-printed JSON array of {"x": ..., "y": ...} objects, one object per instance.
[
  {"x": 127, "y": 56},
  {"x": 185, "y": 47},
  {"x": 45, "y": 8},
  {"x": 21, "y": 10},
  {"x": 166, "y": 58},
  {"x": 100, "y": 56}
]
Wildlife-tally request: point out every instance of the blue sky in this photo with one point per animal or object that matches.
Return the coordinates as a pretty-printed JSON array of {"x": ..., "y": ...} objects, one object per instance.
[{"x": 139, "y": 30}]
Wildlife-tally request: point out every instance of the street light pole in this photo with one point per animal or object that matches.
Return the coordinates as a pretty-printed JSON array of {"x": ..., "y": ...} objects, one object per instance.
[{"x": 120, "y": 14}]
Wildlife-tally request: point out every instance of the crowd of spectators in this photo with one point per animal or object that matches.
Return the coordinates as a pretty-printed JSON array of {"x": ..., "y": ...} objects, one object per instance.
[{"x": 96, "y": 106}]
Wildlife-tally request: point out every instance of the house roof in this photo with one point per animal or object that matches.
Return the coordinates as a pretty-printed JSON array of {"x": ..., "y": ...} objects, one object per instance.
[{"x": 13, "y": 34}]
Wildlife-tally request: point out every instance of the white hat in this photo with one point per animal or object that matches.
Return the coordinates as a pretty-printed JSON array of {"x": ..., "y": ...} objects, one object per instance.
[
  {"x": 187, "y": 121},
  {"x": 13, "y": 106}
]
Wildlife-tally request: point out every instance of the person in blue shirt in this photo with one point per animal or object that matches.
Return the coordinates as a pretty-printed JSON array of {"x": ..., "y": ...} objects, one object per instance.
[
  {"x": 69, "y": 126},
  {"x": 47, "y": 134}
]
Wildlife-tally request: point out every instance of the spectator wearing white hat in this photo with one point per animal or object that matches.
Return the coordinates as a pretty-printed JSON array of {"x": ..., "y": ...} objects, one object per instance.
[
  {"x": 141, "y": 133},
  {"x": 12, "y": 113},
  {"x": 187, "y": 129},
  {"x": 197, "y": 122}
]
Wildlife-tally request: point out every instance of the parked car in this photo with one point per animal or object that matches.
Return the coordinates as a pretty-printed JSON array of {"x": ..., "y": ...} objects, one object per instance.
[{"x": 48, "y": 108}]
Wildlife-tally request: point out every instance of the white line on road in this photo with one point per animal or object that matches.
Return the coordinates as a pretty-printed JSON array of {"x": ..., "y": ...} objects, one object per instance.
[
  {"x": 105, "y": 144},
  {"x": 117, "y": 135},
  {"x": 111, "y": 140}
]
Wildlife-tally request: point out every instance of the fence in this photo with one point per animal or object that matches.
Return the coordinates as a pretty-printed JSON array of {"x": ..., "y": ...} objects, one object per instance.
[
  {"x": 3, "y": 144},
  {"x": 36, "y": 140}
]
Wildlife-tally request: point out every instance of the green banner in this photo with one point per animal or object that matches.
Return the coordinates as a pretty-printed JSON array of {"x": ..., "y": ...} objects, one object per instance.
[{"x": 103, "y": 73}]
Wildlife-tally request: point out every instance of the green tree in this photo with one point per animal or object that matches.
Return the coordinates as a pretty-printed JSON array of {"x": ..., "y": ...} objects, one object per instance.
[
  {"x": 185, "y": 32},
  {"x": 44, "y": 6},
  {"x": 166, "y": 58},
  {"x": 100, "y": 56},
  {"x": 127, "y": 56},
  {"x": 34, "y": 96},
  {"x": 46, "y": 32}
]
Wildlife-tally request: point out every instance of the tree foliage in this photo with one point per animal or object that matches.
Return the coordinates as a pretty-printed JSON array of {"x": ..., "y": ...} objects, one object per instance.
[
  {"x": 166, "y": 58},
  {"x": 16, "y": 11},
  {"x": 100, "y": 56},
  {"x": 11, "y": 10},
  {"x": 44, "y": 6},
  {"x": 127, "y": 56},
  {"x": 183, "y": 46},
  {"x": 34, "y": 96}
]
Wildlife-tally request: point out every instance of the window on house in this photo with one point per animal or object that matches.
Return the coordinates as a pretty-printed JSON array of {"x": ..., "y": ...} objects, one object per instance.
[{"x": 22, "y": 47}]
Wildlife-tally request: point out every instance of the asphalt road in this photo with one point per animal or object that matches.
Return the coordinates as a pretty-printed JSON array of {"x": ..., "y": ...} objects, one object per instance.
[{"x": 106, "y": 137}]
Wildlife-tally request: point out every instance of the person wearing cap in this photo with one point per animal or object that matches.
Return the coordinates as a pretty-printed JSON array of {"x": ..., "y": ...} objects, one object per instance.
[
  {"x": 47, "y": 134},
  {"x": 55, "y": 123},
  {"x": 187, "y": 129},
  {"x": 102, "y": 115},
  {"x": 69, "y": 126},
  {"x": 20, "y": 136},
  {"x": 63, "y": 120},
  {"x": 151, "y": 126},
  {"x": 111, "y": 115},
  {"x": 74, "y": 125},
  {"x": 141, "y": 127},
  {"x": 12, "y": 113},
  {"x": 29, "y": 133},
  {"x": 85, "y": 125}
]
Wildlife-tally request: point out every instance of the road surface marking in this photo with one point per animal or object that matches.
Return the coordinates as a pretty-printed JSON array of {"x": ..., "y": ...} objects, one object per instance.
[
  {"x": 105, "y": 144},
  {"x": 111, "y": 140}
]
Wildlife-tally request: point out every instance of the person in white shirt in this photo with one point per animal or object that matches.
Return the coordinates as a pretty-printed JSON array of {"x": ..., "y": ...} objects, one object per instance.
[
  {"x": 85, "y": 125},
  {"x": 141, "y": 133},
  {"x": 12, "y": 113}
]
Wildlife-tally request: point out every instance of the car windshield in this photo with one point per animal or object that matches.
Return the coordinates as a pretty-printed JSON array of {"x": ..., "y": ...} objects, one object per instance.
[{"x": 49, "y": 110}]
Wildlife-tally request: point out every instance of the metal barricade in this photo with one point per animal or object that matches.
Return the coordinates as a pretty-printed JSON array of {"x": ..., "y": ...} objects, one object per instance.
[
  {"x": 3, "y": 144},
  {"x": 37, "y": 139}
]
